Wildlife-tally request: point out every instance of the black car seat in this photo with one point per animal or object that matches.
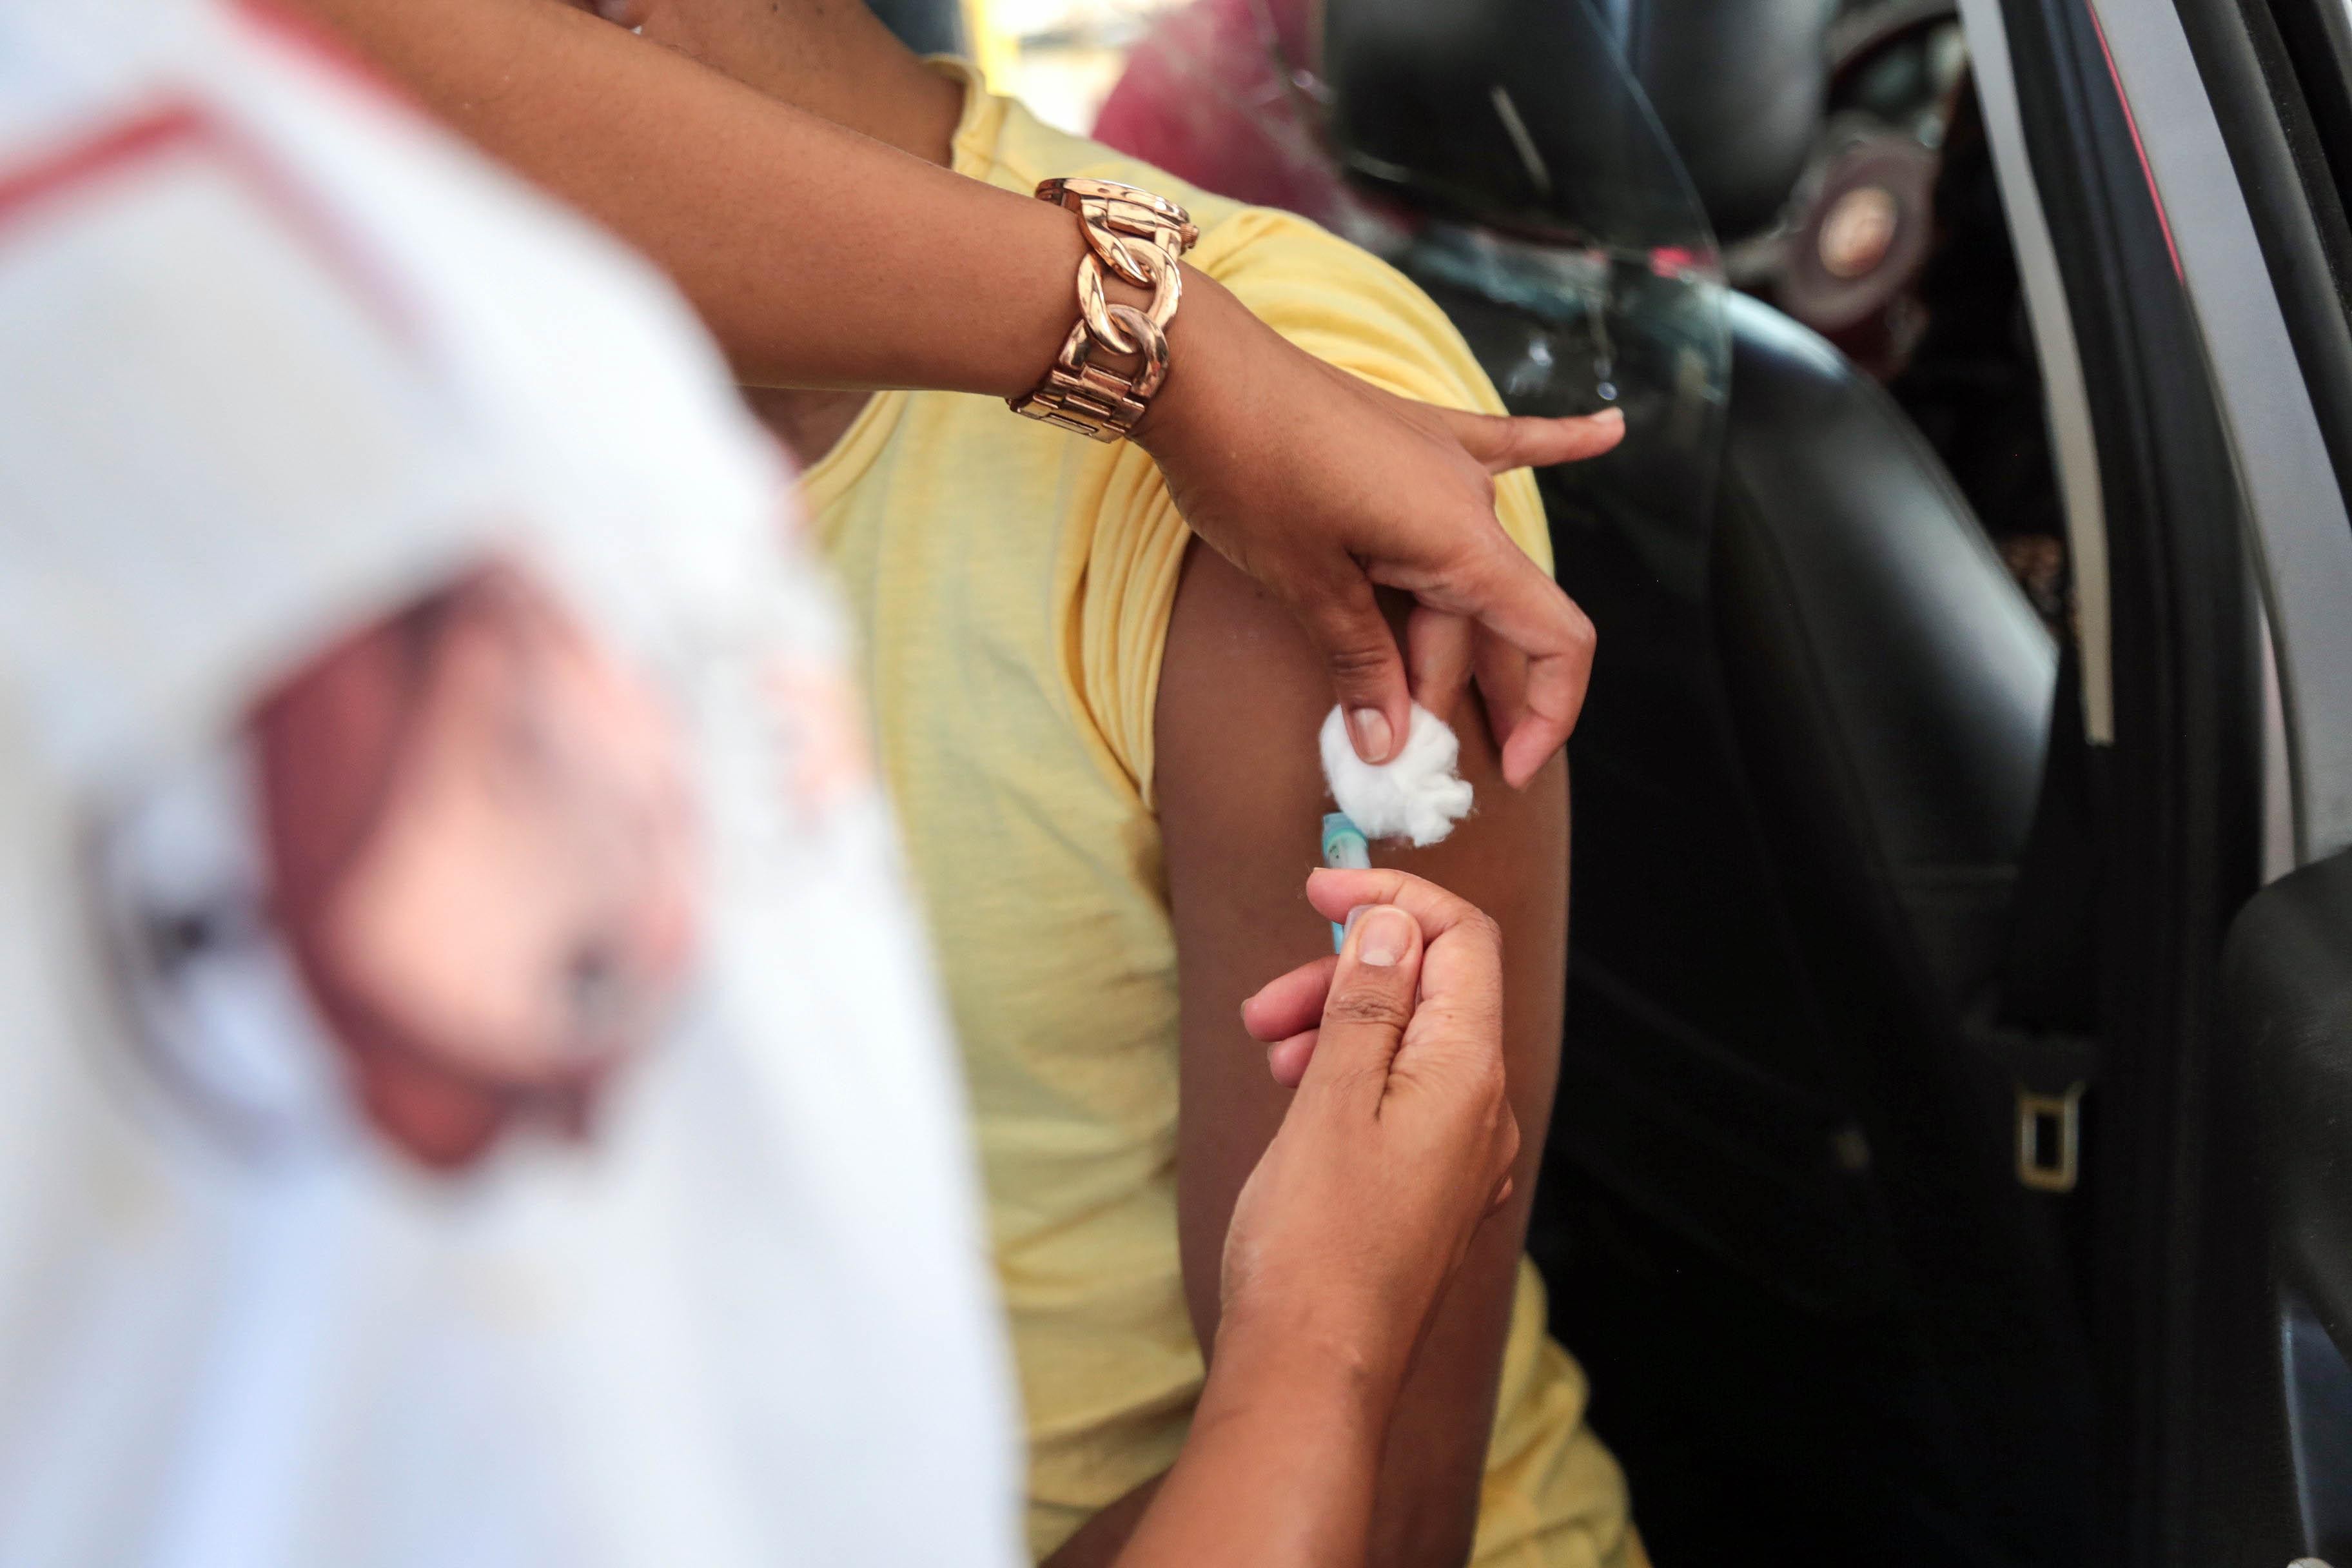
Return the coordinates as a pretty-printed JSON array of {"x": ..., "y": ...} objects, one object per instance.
[
  {"x": 1780, "y": 1219},
  {"x": 927, "y": 27},
  {"x": 1737, "y": 89}
]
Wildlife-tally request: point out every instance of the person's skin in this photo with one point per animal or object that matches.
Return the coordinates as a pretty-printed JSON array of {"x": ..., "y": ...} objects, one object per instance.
[
  {"x": 1240, "y": 789},
  {"x": 1400, "y": 1140},
  {"x": 480, "y": 749},
  {"x": 823, "y": 259}
]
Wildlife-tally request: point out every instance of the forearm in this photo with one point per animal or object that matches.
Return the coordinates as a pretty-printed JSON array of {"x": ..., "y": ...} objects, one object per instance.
[
  {"x": 818, "y": 256},
  {"x": 1098, "y": 1542},
  {"x": 1279, "y": 1468},
  {"x": 1432, "y": 1475},
  {"x": 1514, "y": 860}
]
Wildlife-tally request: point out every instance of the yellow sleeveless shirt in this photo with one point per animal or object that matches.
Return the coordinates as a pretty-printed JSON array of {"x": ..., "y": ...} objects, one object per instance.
[{"x": 1013, "y": 586}]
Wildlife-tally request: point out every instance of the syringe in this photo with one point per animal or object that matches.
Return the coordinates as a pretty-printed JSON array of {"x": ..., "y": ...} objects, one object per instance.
[{"x": 1344, "y": 849}]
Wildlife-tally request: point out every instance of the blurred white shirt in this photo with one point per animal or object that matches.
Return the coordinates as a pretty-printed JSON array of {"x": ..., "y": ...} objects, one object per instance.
[{"x": 275, "y": 359}]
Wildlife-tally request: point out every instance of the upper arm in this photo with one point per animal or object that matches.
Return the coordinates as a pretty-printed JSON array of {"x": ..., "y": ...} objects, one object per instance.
[{"x": 1241, "y": 796}]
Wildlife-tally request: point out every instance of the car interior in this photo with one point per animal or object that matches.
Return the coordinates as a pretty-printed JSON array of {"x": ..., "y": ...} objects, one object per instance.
[
  {"x": 1807, "y": 1212},
  {"x": 1825, "y": 1293},
  {"x": 1817, "y": 1212}
]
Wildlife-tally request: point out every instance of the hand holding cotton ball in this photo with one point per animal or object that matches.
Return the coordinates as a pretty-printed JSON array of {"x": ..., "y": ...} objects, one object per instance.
[{"x": 1415, "y": 796}]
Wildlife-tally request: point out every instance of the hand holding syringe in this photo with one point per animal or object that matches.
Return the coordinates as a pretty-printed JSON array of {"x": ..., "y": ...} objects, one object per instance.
[{"x": 1396, "y": 1147}]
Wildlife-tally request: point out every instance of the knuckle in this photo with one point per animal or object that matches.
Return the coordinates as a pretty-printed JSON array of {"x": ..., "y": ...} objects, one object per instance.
[
  {"x": 1352, "y": 659},
  {"x": 1482, "y": 927},
  {"x": 1441, "y": 899},
  {"x": 1490, "y": 547},
  {"x": 1364, "y": 1007}
]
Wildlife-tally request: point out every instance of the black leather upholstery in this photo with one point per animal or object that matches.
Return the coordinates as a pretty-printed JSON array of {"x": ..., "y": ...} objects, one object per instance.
[
  {"x": 927, "y": 26},
  {"x": 1779, "y": 1210},
  {"x": 1738, "y": 87},
  {"x": 2290, "y": 982},
  {"x": 1824, "y": 1322},
  {"x": 1510, "y": 112},
  {"x": 1894, "y": 683},
  {"x": 1425, "y": 95},
  {"x": 2273, "y": 1445},
  {"x": 1891, "y": 691}
]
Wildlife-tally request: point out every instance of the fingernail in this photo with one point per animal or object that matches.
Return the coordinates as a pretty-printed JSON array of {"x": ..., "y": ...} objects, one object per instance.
[
  {"x": 1371, "y": 728},
  {"x": 1349, "y": 924},
  {"x": 1616, "y": 413},
  {"x": 1388, "y": 931}
]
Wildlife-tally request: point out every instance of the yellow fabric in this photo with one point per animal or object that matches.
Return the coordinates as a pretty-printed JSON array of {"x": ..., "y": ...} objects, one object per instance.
[{"x": 1013, "y": 584}]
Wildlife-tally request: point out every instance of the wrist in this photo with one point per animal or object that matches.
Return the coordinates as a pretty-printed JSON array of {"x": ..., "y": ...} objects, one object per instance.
[
  {"x": 1134, "y": 235},
  {"x": 1283, "y": 1458},
  {"x": 1206, "y": 359},
  {"x": 1303, "y": 1362}
]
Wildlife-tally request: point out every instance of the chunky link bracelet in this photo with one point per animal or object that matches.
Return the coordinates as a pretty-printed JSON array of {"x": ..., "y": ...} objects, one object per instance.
[{"x": 1076, "y": 393}]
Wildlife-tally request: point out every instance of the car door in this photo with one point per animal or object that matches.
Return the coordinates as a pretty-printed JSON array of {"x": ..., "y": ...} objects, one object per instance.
[
  {"x": 2192, "y": 160},
  {"x": 2268, "y": 1432}
]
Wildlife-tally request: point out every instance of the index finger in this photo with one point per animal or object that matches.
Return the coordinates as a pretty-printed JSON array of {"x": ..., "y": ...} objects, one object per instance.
[
  {"x": 1293, "y": 1001},
  {"x": 1518, "y": 602},
  {"x": 1497, "y": 584}
]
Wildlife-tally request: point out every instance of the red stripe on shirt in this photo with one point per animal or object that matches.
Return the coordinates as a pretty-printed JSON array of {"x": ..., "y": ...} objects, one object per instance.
[{"x": 178, "y": 126}]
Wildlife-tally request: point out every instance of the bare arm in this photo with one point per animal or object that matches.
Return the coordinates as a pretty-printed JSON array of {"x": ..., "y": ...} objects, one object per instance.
[
  {"x": 1277, "y": 1471},
  {"x": 913, "y": 277},
  {"x": 821, "y": 258},
  {"x": 1393, "y": 1156},
  {"x": 1241, "y": 796}
]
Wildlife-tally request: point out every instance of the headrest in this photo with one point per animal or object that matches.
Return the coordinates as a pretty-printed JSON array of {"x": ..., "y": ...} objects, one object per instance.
[
  {"x": 1524, "y": 113},
  {"x": 1738, "y": 86}
]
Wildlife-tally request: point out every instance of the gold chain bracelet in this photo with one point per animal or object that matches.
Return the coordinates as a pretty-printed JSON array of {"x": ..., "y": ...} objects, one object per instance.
[{"x": 1076, "y": 393}]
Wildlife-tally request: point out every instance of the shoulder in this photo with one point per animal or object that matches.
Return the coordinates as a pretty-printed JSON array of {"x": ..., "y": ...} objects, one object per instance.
[{"x": 1019, "y": 150}]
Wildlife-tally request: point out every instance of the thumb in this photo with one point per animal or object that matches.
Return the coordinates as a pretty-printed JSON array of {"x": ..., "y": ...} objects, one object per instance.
[
  {"x": 1367, "y": 671},
  {"x": 1371, "y": 1003},
  {"x": 1504, "y": 442}
]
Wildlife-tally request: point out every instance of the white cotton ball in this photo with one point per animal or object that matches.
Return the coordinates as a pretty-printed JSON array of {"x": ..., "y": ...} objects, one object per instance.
[{"x": 1416, "y": 795}]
